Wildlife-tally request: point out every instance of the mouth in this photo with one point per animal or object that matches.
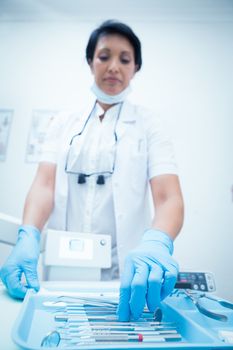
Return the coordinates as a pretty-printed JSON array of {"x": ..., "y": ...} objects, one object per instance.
[{"x": 112, "y": 80}]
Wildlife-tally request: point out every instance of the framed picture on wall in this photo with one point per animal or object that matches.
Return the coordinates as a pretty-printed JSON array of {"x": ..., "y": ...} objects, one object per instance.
[
  {"x": 41, "y": 118},
  {"x": 6, "y": 116}
]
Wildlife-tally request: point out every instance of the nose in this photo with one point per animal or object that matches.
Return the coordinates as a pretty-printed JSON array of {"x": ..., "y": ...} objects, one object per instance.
[{"x": 113, "y": 65}]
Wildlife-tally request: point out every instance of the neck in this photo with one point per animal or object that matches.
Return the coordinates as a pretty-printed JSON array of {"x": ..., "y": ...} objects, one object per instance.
[{"x": 105, "y": 106}]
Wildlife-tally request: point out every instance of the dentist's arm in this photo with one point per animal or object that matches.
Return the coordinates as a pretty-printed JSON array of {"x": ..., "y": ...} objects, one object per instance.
[
  {"x": 150, "y": 271},
  {"x": 24, "y": 256},
  {"x": 40, "y": 199},
  {"x": 168, "y": 204}
]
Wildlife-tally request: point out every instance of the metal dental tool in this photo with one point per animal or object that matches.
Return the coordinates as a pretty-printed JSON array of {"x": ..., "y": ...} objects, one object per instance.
[
  {"x": 107, "y": 332},
  {"x": 221, "y": 302},
  {"x": 87, "y": 301},
  {"x": 83, "y": 317},
  {"x": 53, "y": 338},
  {"x": 90, "y": 320},
  {"x": 203, "y": 310},
  {"x": 128, "y": 328},
  {"x": 136, "y": 338},
  {"x": 106, "y": 317},
  {"x": 127, "y": 325},
  {"x": 131, "y": 323}
]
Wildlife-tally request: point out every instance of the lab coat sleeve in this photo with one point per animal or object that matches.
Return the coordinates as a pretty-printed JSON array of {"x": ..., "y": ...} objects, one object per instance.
[
  {"x": 50, "y": 148},
  {"x": 161, "y": 157}
]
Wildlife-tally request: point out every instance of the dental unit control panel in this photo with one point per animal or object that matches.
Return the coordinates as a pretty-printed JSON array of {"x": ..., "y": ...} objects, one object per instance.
[{"x": 199, "y": 281}]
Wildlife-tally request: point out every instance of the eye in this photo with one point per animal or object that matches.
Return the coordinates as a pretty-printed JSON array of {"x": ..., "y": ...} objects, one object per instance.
[
  {"x": 125, "y": 60},
  {"x": 103, "y": 58}
]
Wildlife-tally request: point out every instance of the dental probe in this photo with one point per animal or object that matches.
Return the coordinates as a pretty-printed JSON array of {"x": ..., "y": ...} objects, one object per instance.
[
  {"x": 126, "y": 328},
  {"x": 137, "y": 338},
  {"x": 131, "y": 323},
  {"x": 97, "y": 309},
  {"x": 110, "y": 332},
  {"x": 65, "y": 317},
  {"x": 157, "y": 325}
]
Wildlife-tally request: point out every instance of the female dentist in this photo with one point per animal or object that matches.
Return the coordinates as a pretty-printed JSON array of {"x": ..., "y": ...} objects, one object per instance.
[{"x": 97, "y": 171}]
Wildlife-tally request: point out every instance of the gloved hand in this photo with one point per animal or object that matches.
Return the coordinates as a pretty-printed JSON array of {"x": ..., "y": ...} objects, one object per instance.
[
  {"x": 23, "y": 259},
  {"x": 149, "y": 275}
]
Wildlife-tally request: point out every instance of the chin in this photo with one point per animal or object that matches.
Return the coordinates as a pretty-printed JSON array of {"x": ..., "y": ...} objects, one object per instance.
[{"x": 112, "y": 91}]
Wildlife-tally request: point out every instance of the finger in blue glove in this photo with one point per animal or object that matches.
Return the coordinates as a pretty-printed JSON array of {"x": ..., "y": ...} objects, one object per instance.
[
  {"x": 22, "y": 260},
  {"x": 149, "y": 275}
]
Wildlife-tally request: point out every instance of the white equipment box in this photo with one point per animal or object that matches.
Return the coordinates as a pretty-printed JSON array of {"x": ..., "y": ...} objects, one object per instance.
[{"x": 76, "y": 256}]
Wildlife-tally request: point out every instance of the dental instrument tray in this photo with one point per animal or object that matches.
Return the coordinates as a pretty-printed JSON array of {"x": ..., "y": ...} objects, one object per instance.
[{"x": 83, "y": 316}]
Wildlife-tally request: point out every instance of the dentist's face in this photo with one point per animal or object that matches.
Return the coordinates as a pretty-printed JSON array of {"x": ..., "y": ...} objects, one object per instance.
[{"x": 113, "y": 64}]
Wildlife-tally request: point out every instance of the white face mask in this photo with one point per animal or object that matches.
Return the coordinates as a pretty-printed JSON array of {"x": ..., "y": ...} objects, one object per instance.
[{"x": 109, "y": 99}]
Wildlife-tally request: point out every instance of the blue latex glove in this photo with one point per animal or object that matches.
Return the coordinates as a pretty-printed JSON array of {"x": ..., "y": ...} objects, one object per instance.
[
  {"x": 149, "y": 275},
  {"x": 23, "y": 259}
]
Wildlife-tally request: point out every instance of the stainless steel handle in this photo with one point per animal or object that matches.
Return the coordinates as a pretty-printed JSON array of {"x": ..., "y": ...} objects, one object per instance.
[
  {"x": 203, "y": 310},
  {"x": 211, "y": 314},
  {"x": 222, "y": 302}
]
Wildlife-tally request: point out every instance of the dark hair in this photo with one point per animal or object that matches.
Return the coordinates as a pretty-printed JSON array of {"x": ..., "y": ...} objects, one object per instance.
[{"x": 114, "y": 27}]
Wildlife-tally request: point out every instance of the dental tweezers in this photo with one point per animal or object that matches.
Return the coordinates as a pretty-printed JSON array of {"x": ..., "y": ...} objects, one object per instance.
[
  {"x": 221, "y": 302},
  {"x": 203, "y": 310}
]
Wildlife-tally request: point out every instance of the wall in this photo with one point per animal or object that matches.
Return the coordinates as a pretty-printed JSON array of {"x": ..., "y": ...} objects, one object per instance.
[{"x": 187, "y": 76}]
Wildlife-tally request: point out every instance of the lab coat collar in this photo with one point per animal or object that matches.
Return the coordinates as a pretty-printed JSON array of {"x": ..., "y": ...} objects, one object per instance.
[{"x": 127, "y": 116}]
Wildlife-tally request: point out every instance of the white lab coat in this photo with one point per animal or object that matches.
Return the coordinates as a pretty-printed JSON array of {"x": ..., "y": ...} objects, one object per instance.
[{"x": 142, "y": 152}]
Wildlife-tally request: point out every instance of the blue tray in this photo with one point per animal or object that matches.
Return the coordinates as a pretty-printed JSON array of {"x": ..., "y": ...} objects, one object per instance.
[{"x": 198, "y": 331}]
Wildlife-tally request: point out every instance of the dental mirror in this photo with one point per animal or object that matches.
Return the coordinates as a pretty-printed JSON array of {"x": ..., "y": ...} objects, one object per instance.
[{"x": 51, "y": 340}]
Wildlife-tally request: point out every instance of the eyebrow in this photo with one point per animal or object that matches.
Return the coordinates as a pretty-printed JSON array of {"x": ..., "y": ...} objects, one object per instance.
[{"x": 109, "y": 50}]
